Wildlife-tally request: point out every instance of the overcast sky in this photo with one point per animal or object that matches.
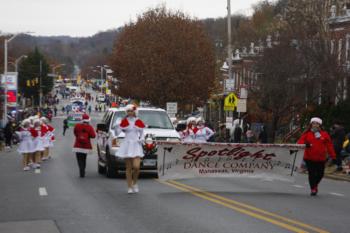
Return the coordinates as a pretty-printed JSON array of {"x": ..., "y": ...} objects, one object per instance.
[{"x": 87, "y": 17}]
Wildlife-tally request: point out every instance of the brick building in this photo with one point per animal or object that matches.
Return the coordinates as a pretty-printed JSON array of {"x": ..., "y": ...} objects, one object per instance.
[{"x": 339, "y": 27}]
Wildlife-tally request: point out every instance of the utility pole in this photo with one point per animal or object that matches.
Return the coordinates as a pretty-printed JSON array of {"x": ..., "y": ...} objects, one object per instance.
[
  {"x": 5, "y": 83},
  {"x": 229, "y": 41},
  {"x": 40, "y": 87}
]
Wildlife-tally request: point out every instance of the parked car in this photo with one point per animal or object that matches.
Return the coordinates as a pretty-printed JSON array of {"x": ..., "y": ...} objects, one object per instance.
[{"x": 158, "y": 127}]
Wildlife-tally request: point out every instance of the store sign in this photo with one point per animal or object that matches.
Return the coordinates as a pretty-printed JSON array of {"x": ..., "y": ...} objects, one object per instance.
[{"x": 171, "y": 108}]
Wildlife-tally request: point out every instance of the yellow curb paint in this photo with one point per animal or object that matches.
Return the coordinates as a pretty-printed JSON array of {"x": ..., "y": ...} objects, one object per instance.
[{"x": 234, "y": 205}]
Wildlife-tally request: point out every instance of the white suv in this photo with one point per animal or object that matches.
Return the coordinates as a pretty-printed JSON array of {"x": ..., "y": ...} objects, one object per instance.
[{"x": 158, "y": 125}]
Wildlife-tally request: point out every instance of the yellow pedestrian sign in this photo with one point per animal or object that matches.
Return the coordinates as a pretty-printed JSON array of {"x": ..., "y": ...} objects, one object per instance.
[{"x": 230, "y": 102}]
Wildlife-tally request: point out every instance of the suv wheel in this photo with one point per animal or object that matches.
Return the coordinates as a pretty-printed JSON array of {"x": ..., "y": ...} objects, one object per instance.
[{"x": 111, "y": 169}]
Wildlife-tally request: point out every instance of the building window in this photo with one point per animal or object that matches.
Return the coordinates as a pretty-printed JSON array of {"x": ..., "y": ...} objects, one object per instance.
[
  {"x": 347, "y": 47},
  {"x": 340, "y": 45},
  {"x": 332, "y": 46}
]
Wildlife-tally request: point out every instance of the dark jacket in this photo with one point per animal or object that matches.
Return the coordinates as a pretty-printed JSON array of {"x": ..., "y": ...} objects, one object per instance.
[{"x": 338, "y": 137}]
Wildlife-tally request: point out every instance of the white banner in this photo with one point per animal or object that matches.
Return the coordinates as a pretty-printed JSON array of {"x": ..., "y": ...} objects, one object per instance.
[{"x": 270, "y": 161}]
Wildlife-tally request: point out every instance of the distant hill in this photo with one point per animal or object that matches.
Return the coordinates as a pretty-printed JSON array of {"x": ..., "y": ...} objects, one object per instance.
[{"x": 93, "y": 50}]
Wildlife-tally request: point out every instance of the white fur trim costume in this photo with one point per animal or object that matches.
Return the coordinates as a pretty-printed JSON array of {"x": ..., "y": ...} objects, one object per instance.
[
  {"x": 131, "y": 146},
  {"x": 26, "y": 144}
]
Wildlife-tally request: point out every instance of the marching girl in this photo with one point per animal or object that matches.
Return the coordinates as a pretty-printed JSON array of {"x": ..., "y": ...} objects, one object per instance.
[
  {"x": 189, "y": 134},
  {"x": 26, "y": 146},
  {"x": 203, "y": 133},
  {"x": 39, "y": 148},
  {"x": 131, "y": 147},
  {"x": 47, "y": 131}
]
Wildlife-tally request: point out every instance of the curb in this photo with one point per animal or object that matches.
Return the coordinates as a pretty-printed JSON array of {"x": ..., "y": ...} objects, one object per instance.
[{"x": 337, "y": 177}]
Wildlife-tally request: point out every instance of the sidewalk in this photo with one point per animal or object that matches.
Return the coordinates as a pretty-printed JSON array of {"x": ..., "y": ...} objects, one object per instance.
[{"x": 332, "y": 174}]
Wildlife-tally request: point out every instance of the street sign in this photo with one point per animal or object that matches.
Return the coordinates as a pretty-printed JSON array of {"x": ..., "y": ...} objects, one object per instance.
[
  {"x": 230, "y": 102},
  {"x": 243, "y": 93},
  {"x": 171, "y": 108},
  {"x": 242, "y": 105},
  {"x": 229, "y": 85},
  {"x": 229, "y": 121}
]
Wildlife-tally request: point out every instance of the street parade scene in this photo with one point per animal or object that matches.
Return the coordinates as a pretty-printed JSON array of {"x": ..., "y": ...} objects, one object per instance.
[{"x": 175, "y": 116}]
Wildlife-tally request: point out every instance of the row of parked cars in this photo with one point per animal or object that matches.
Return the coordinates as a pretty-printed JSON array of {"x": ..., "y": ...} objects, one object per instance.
[{"x": 158, "y": 127}]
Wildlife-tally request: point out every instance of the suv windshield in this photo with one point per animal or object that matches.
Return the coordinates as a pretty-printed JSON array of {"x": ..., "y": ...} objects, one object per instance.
[{"x": 152, "y": 119}]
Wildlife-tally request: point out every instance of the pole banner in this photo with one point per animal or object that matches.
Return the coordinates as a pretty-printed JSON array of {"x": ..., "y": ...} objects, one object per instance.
[{"x": 269, "y": 161}]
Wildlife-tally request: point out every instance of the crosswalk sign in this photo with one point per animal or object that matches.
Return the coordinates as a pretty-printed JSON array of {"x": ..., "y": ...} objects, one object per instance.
[{"x": 230, "y": 102}]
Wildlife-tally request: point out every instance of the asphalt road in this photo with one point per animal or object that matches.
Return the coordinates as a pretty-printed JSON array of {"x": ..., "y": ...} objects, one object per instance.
[{"x": 57, "y": 200}]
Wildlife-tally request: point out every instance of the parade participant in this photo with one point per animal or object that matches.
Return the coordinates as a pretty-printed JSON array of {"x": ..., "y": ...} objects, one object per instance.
[
  {"x": 318, "y": 145},
  {"x": 131, "y": 147},
  {"x": 65, "y": 126},
  {"x": 48, "y": 137},
  {"x": 26, "y": 146},
  {"x": 83, "y": 133},
  {"x": 188, "y": 135},
  {"x": 203, "y": 133},
  {"x": 38, "y": 143},
  {"x": 45, "y": 137}
]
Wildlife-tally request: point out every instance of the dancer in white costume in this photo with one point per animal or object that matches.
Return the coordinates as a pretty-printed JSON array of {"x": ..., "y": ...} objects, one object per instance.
[
  {"x": 131, "y": 147},
  {"x": 188, "y": 135},
  {"x": 203, "y": 133},
  {"x": 26, "y": 145}
]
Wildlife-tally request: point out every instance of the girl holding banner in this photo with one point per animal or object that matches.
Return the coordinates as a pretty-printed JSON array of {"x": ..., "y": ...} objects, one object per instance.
[
  {"x": 318, "y": 146},
  {"x": 203, "y": 133},
  {"x": 189, "y": 134}
]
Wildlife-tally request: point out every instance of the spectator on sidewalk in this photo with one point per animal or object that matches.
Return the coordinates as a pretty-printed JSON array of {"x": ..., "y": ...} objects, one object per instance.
[
  {"x": 263, "y": 135},
  {"x": 65, "y": 126},
  {"x": 338, "y": 138},
  {"x": 237, "y": 133},
  {"x": 8, "y": 132},
  {"x": 55, "y": 110}
]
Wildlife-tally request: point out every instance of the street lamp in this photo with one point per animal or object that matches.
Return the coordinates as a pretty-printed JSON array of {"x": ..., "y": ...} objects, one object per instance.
[
  {"x": 18, "y": 60},
  {"x": 57, "y": 66},
  {"x": 103, "y": 67},
  {"x": 6, "y": 41}
]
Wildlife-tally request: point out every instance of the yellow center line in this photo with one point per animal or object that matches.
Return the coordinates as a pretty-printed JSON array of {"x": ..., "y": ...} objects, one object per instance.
[
  {"x": 238, "y": 209},
  {"x": 301, "y": 224}
]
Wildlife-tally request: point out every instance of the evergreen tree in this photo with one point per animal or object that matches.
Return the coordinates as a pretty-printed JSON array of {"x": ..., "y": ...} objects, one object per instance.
[{"x": 31, "y": 75}]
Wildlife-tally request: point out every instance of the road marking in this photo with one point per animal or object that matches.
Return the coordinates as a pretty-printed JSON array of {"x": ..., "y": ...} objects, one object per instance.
[
  {"x": 268, "y": 179},
  {"x": 42, "y": 191},
  {"x": 37, "y": 171},
  {"x": 245, "y": 209},
  {"x": 337, "y": 194},
  {"x": 298, "y": 186}
]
